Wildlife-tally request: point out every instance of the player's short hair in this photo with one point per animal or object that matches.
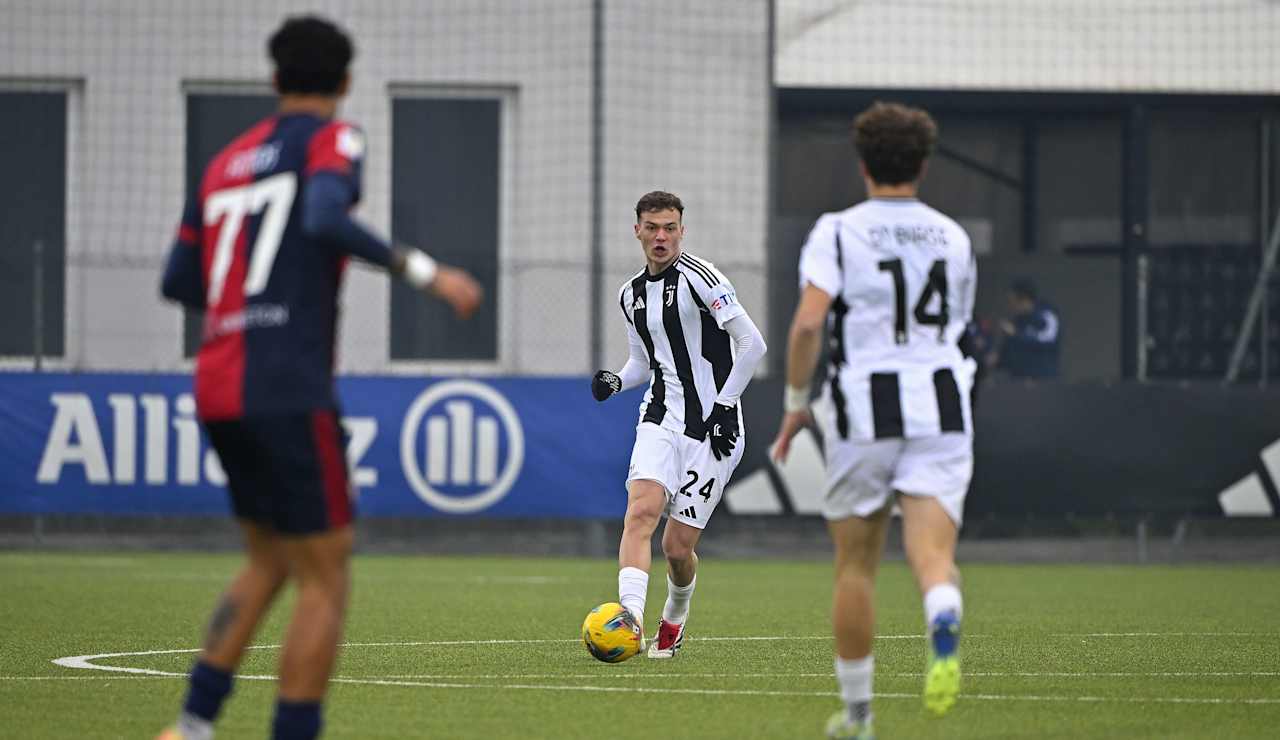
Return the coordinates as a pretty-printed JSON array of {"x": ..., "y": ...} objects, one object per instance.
[
  {"x": 893, "y": 141},
  {"x": 1024, "y": 287},
  {"x": 311, "y": 55},
  {"x": 658, "y": 200}
]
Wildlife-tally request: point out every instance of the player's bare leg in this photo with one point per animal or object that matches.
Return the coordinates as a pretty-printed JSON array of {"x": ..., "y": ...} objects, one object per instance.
[
  {"x": 678, "y": 543},
  {"x": 320, "y": 566},
  {"x": 231, "y": 627},
  {"x": 929, "y": 536},
  {"x": 246, "y": 600},
  {"x": 645, "y": 501},
  {"x": 859, "y": 542}
]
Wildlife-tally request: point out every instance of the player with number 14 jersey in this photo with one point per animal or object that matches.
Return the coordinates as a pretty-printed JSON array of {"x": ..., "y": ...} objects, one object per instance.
[
  {"x": 893, "y": 281},
  {"x": 903, "y": 276}
]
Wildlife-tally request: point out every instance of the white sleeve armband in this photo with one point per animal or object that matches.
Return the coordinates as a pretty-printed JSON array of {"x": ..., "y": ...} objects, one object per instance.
[
  {"x": 795, "y": 399},
  {"x": 419, "y": 269}
]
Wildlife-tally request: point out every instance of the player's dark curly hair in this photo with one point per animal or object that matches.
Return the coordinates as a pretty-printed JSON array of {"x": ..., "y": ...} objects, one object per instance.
[
  {"x": 311, "y": 55},
  {"x": 658, "y": 200},
  {"x": 893, "y": 141}
]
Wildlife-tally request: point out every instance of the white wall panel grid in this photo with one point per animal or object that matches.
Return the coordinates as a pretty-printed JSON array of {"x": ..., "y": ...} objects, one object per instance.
[{"x": 129, "y": 66}]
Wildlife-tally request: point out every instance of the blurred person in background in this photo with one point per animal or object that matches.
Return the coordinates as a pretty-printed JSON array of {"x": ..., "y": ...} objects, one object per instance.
[
  {"x": 1031, "y": 337},
  {"x": 895, "y": 280},
  {"x": 261, "y": 250}
]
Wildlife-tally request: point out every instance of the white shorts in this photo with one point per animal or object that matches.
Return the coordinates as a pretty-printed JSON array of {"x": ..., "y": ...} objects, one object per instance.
[
  {"x": 689, "y": 471},
  {"x": 862, "y": 476}
]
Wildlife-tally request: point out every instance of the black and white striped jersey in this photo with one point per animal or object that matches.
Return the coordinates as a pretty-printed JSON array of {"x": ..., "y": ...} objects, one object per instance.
[
  {"x": 679, "y": 317},
  {"x": 902, "y": 277}
]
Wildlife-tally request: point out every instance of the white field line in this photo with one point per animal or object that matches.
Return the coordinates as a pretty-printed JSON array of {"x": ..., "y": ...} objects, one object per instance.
[
  {"x": 763, "y": 692},
  {"x": 609, "y": 674},
  {"x": 760, "y": 692},
  {"x": 967, "y": 674},
  {"x": 1119, "y": 699},
  {"x": 86, "y": 662},
  {"x": 76, "y": 678},
  {"x": 919, "y": 636},
  {"x": 1163, "y": 634}
]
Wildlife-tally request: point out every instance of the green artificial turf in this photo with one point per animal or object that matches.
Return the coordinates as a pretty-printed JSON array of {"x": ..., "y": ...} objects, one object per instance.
[{"x": 1049, "y": 651}]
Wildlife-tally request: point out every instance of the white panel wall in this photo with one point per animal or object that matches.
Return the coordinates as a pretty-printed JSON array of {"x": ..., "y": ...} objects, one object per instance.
[
  {"x": 687, "y": 110},
  {"x": 1215, "y": 46}
]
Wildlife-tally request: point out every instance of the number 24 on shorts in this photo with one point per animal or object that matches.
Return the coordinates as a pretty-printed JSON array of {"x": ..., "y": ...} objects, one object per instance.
[{"x": 706, "y": 489}]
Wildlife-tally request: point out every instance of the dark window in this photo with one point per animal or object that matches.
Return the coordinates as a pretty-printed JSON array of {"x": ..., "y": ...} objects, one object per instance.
[
  {"x": 1207, "y": 220},
  {"x": 33, "y": 142},
  {"x": 1078, "y": 183},
  {"x": 445, "y": 195},
  {"x": 212, "y": 122},
  {"x": 1206, "y": 195},
  {"x": 975, "y": 177}
]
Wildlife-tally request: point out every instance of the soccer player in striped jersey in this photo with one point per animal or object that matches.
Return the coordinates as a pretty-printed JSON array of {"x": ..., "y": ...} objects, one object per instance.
[
  {"x": 693, "y": 341},
  {"x": 261, "y": 250},
  {"x": 894, "y": 279}
]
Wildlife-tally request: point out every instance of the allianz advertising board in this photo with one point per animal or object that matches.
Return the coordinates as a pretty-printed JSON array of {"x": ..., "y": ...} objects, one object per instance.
[{"x": 503, "y": 447}]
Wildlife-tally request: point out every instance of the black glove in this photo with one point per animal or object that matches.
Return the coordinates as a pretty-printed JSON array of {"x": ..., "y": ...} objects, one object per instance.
[
  {"x": 605, "y": 384},
  {"x": 722, "y": 426}
]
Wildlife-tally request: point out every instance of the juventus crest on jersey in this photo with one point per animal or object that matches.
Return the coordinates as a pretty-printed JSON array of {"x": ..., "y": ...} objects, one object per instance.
[
  {"x": 902, "y": 277},
  {"x": 679, "y": 317}
]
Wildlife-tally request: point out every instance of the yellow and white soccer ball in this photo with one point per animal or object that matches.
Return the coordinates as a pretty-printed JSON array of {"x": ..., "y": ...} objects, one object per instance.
[{"x": 610, "y": 633}]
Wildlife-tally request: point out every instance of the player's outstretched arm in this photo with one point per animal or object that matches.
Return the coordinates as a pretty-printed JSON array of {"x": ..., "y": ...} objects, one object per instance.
[
  {"x": 803, "y": 345},
  {"x": 326, "y": 219},
  {"x": 450, "y": 284},
  {"x": 632, "y": 374}
]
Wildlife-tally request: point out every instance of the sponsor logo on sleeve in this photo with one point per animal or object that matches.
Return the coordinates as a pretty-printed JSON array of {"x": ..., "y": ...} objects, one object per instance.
[{"x": 726, "y": 299}]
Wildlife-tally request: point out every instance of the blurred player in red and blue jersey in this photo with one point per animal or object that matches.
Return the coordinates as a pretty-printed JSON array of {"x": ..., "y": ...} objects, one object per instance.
[{"x": 261, "y": 250}]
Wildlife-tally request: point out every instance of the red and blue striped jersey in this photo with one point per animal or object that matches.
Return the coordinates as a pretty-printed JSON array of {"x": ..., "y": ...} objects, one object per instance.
[{"x": 268, "y": 285}]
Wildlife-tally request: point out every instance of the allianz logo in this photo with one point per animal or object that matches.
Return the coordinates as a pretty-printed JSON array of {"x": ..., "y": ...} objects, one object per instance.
[
  {"x": 76, "y": 439},
  {"x": 461, "y": 444}
]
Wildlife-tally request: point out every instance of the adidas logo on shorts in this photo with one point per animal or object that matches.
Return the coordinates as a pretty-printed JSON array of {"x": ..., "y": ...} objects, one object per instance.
[{"x": 690, "y": 513}]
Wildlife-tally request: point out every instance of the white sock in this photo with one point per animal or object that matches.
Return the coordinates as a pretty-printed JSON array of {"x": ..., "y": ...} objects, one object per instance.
[
  {"x": 633, "y": 587},
  {"x": 194, "y": 728},
  {"x": 676, "y": 610},
  {"x": 854, "y": 677},
  {"x": 944, "y": 597}
]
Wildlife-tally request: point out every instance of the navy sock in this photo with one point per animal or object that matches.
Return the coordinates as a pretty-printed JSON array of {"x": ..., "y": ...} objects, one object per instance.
[
  {"x": 296, "y": 720},
  {"x": 209, "y": 688}
]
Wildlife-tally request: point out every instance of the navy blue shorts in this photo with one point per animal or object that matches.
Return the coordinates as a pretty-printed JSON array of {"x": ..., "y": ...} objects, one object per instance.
[{"x": 287, "y": 472}]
